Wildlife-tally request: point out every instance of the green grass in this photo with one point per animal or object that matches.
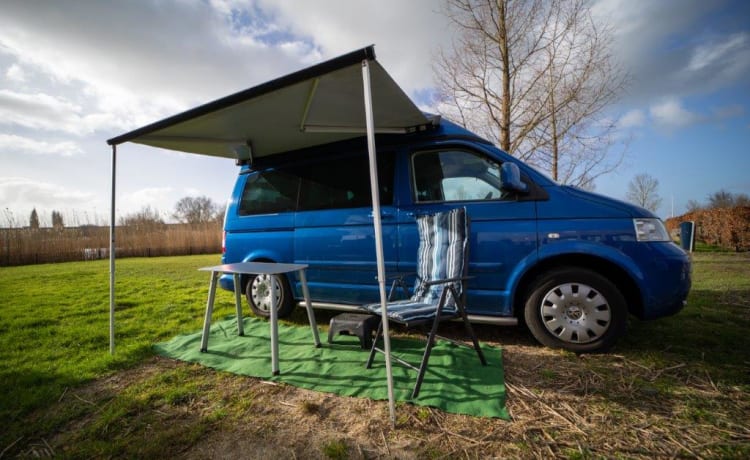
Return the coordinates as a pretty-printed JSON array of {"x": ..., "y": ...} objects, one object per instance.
[
  {"x": 54, "y": 324},
  {"x": 54, "y": 339},
  {"x": 711, "y": 330}
]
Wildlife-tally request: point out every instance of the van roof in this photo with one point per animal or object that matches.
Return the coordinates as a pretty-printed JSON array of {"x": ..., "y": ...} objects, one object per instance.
[{"x": 314, "y": 106}]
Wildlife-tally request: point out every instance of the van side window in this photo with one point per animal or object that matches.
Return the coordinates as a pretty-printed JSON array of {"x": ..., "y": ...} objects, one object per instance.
[
  {"x": 454, "y": 175},
  {"x": 269, "y": 192},
  {"x": 343, "y": 183}
]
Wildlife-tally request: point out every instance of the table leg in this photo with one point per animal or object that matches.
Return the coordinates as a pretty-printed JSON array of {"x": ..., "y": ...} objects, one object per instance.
[
  {"x": 308, "y": 307},
  {"x": 238, "y": 304},
  {"x": 209, "y": 311},
  {"x": 274, "y": 328}
]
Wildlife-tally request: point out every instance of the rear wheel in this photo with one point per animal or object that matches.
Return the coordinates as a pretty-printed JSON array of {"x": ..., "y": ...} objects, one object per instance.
[
  {"x": 258, "y": 294},
  {"x": 575, "y": 309}
]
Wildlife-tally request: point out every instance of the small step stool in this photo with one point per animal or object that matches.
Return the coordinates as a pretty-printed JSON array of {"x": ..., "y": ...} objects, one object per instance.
[{"x": 357, "y": 324}]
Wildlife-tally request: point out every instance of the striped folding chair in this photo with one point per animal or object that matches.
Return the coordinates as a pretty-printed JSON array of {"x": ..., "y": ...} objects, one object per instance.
[{"x": 440, "y": 287}]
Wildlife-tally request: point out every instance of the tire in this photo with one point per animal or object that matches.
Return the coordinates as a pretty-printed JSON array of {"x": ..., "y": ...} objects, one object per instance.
[
  {"x": 575, "y": 309},
  {"x": 258, "y": 294}
]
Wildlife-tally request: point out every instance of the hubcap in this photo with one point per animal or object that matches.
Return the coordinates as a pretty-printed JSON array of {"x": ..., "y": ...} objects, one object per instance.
[
  {"x": 575, "y": 313},
  {"x": 261, "y": 292}
]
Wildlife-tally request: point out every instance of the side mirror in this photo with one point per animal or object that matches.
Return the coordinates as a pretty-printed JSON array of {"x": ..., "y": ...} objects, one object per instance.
[{"x": 510, "y": 178}]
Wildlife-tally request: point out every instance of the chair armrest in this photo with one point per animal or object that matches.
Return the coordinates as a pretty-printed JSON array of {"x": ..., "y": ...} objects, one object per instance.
[
  {"x": 397, "y": 275},
  {"x": 447, "y": 280}
]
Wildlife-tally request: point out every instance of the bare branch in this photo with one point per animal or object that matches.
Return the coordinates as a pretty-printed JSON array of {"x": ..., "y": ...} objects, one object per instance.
[{"x": 535, "y": 76}]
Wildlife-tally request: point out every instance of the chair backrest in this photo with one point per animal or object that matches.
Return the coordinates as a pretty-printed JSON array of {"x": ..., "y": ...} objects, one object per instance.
[{"x": 443, "y": 253}]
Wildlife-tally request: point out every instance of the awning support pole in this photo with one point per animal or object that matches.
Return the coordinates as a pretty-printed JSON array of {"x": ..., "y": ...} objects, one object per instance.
[
  {"x": 375, "y": 190},
  {"x": 112, "y": 257}
]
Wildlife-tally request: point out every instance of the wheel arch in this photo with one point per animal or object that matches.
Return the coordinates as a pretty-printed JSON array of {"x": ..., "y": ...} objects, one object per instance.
[
  {"x": 255, "y": 257},
  {"x": 605, "y": 267}
]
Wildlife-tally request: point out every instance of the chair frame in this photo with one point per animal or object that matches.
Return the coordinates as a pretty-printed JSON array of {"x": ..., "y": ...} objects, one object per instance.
[{"x": 448, "y": 289}]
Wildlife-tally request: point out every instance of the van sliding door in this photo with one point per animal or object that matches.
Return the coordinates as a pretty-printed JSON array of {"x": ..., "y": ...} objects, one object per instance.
[{"x": 334, "y": 227}]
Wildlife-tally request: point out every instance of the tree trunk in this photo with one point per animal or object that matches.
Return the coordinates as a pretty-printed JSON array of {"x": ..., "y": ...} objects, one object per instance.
[{"x": 502, "y": 41}]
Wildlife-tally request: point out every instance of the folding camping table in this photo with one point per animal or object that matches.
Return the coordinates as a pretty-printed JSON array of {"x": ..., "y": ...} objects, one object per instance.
[{"x": 257, "y": 268}]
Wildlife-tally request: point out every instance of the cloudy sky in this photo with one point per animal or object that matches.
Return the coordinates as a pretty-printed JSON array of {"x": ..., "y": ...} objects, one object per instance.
[{"x": 75, "y": 73}]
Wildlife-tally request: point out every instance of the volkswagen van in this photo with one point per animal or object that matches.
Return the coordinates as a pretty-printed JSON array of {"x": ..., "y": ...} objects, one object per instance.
[{"x": 570, "y": 264}]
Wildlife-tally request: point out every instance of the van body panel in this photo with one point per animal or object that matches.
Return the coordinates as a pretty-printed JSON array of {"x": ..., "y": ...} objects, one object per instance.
[
  {"x": 339, "y": 245},
  {"x": 666, "y": 278}
]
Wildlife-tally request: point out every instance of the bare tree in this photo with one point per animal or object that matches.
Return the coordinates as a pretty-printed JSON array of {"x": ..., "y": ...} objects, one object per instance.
[
  {"x": 194, "y": 210},
  {"x": 643, "y": 191},
  {"x": 57, "y": 220},
  {"x": 725, "y": 199},
  {"x": 145, "y": 219},
  {"x": 34, "y": 220},
  {"x": 693, "y": 205},
  {"x": 534, "y": 76}
]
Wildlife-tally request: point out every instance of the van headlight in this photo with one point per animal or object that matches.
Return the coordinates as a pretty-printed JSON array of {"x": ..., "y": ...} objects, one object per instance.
[{"x": 650, "y": 230}]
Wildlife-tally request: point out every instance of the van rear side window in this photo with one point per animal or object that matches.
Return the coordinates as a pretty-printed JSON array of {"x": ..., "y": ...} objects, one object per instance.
[
  {"x": 343, "y": 183},
  {"x": 269, "y": 192},
  {"x": 325, "y": 184}
]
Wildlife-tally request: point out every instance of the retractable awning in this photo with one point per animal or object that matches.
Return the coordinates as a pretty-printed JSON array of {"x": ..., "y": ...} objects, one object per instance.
[
  {"x": 314, "y": 106},
  {"x": 328, "y": 102}
]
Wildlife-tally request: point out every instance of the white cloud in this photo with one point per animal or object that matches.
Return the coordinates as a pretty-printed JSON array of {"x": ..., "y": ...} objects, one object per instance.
[
  {"x": 632, "y": 119},
  {"x": 670, "y": 113},
  {"x": 158, "y": 198},
  {"x": 681, "y": 54},
  {"x": 49, "y": 113},
  {"x": 15, "y": 73},
  {"x": 25, "y": 193},
  {"x": 13, "y": 144},
  {"x": 406, "y": 33},
  {"x": 717, "y": 52},
  {"x": 141, "y": 63},
  {"x": 192, "y": 191}
]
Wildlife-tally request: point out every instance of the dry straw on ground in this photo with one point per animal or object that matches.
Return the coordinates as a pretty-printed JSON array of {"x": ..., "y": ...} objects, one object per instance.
[{"x": 562, "y": 406}]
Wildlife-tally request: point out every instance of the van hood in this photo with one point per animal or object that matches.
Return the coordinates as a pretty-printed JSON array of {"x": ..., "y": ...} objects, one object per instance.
[{"x": 590, "y": 204}]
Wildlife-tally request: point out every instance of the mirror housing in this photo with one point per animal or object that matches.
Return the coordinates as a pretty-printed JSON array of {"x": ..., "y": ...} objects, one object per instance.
[{"x": 510, "y": 178}]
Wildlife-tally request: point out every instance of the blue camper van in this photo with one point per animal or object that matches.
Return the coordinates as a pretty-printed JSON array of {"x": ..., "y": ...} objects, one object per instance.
[{"x": 570, "y": 263}]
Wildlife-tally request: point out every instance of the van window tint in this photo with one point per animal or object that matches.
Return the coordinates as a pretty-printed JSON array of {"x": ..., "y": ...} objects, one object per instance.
[
  {"x": 325, "y": 184},
  {"x": 269, "y": 192},
  {"x": 344, "y": 183},
  {"x": 454, "y": 175}
]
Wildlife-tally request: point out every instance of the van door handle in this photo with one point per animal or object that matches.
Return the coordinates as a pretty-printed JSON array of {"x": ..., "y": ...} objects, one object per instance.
[{"x": 383, "y": 215}]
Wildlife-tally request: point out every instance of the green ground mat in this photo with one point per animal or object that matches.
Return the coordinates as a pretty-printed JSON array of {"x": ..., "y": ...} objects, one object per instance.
[{"x": 455, "y": 380}]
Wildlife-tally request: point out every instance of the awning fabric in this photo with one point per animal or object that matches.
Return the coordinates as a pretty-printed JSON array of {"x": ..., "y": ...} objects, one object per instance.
[
  {"x": 314, "y": 106},
  {"x": 346, "y": 97}
]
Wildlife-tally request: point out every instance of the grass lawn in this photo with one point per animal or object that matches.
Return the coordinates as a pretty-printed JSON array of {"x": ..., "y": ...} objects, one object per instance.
[
  {"x": 676, "y": 386},
  {"x": 54, "y": 324}
]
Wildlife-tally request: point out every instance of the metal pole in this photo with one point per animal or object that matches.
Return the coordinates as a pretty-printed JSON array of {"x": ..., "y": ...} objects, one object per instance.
[
  {"x": 375, "y": 190},
  {"x": 112, "y": 257}
]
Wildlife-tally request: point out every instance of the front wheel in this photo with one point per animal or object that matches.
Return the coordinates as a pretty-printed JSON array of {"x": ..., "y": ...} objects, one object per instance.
[
  {"x": 575, "y": 309},
  {"x": 258, "y": 294}
]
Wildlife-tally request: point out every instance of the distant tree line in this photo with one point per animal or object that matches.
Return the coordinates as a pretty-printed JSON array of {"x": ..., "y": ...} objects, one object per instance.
[
  {"x": 188, "y": 210},
  {"x": 143, "y": 233},
  {"x": 720, "y": 199}
]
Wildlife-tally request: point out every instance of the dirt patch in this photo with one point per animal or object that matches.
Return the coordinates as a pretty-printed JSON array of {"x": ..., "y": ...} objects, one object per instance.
[{"x": 562, "y": 406}]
